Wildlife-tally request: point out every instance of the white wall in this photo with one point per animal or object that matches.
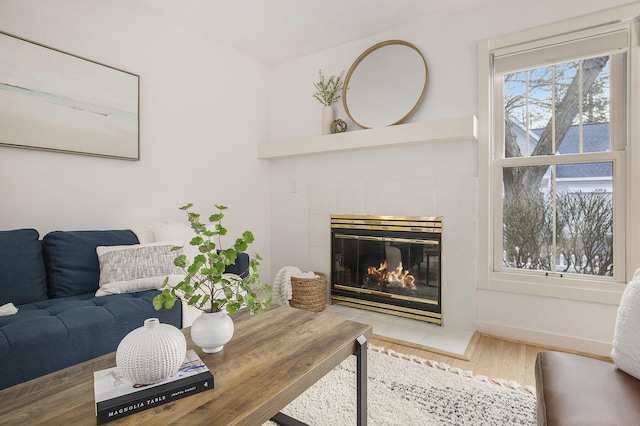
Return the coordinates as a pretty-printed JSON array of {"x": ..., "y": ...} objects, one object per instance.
[
  {"x": 202, "y": 112},
  {"x": 449, "y": 45}
]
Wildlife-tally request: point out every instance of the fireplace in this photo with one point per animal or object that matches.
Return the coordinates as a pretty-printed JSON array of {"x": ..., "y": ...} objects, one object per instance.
[{"x": 388, "y": 264}]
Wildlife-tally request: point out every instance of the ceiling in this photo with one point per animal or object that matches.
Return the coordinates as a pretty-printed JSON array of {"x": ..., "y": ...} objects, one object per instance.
[{"x": 275, "y": 31}]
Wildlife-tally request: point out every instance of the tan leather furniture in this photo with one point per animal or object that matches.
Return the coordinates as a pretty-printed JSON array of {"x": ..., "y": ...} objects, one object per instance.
[{"x": 577, "y": 390}]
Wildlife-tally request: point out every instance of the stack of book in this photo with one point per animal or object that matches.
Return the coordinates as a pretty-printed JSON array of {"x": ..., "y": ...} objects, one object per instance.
[{"x": 116, "y": 397}]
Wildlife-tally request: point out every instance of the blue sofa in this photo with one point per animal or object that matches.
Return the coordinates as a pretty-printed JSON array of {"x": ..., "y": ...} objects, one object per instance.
[{"x": 60, "y": 322}]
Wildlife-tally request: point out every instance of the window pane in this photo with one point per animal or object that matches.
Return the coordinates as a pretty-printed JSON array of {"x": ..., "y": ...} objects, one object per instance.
[
  {"x": 581, "y": 238},
  {"x": 515, "y": 89},
  {"x": 528, "y": 109},
  {"x": 585, "y": 177},
  {"x": 527, "y": 219},
  {"x": 595, "y": 106},
  {"x": 584, "y": 221},
  {"x": 562, "y": 108},
  {"x": 566, "y": 108},
  {"x": 596, "y": 110},
  {"x": 540, "y": 96},
  {"x": 595, "y": 138}
]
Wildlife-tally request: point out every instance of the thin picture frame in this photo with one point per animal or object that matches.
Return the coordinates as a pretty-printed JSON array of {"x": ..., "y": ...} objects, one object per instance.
[{"x": 56, "y": 101}]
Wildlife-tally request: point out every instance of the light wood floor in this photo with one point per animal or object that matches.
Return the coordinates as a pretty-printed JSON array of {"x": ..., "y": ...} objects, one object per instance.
[{"x": 490, "y": 356}]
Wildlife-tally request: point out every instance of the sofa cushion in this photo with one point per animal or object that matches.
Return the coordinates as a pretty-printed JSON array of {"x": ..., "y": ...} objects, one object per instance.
[
  {"x": 626, "y": 338},
  {"x": 22, "y": 272},
  {"x": 71, "y": 260},
  {"x": 52, "y": 334}
]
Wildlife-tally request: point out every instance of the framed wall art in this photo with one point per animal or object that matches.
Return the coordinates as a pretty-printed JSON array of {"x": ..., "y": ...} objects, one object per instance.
[{"x": 56, "y": 101}]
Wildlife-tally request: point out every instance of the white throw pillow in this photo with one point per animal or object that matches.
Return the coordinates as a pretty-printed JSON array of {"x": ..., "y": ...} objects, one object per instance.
[
  {"x": 177, "y": 234},
  {"x": 161, "y": 230},
  {"x": 144, "y": 233},
  {"x": 626, "y": 340},
  {"x": 131, "y": 268},
  {"x": 172, "y": 231}
]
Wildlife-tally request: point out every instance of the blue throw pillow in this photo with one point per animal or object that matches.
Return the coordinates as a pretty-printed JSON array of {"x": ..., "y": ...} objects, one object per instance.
[
  {"x": 71, "y": 260},
  {"x": 240, "y": 267},
  {"x": 22, "y": 273}
]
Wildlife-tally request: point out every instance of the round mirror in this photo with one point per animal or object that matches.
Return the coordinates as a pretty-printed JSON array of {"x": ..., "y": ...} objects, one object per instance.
[{"x": 385, "y": 85}]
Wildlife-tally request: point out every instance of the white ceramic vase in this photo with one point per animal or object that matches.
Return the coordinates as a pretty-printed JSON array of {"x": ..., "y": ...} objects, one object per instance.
[
  {"x": 327, "y": 119},
  {"x": 212, "y": 330},
  {"x": 151, "y": 353}
]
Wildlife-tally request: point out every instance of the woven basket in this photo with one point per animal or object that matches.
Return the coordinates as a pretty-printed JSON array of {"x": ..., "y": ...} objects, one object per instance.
[{"x": 309, "y": 293}]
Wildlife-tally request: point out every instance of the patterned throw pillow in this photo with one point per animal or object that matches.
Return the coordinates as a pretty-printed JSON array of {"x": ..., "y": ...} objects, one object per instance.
[{"x": 126, "y": 269}]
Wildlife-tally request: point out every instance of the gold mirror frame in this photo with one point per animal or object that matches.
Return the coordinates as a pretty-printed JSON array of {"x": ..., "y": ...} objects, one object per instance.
[{"x": 398, "y": 117}]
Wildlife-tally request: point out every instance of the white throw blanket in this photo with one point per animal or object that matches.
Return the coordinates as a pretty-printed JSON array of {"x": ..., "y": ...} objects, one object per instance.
[
  {"x": 282, "y": 283},
  {"x": 8, "y": 309},
  {"x": 189, "y": 314}
]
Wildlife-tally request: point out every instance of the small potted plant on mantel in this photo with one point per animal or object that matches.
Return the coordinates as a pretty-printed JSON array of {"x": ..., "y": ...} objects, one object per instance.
[
  {"x": 328, "y": 93},
  {"x": 207, "y": 287}
]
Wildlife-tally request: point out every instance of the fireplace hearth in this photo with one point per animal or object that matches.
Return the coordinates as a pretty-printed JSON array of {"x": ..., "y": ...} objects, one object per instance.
[{"x": 388, "y": 264}]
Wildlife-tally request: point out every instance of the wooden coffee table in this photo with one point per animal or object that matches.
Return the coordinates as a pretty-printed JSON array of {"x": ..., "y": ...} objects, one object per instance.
[{"x": 270, "y": 361}]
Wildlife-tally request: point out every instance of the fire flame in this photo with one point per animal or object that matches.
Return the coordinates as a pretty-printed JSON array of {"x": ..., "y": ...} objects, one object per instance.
[{"x": 397, "y": 277}]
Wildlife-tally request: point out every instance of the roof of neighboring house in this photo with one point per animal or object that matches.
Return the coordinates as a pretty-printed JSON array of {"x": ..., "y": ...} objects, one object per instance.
[{"x": 595, "y": 138}]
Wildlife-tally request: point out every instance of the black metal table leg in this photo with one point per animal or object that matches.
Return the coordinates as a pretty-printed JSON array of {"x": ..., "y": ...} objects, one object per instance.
[
  {"x": 361, "y": 384},
  {"x": 284, "y": 420},
  {"x": 361, "y": 380}
]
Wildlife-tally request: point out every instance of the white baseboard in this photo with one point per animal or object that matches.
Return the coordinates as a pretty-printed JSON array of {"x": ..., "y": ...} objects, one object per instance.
[{"x": 546, "y": 339}]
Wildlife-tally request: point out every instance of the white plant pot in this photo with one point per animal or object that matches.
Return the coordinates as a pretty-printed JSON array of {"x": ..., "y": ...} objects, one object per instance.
[
  {"x": 327, "y": 119},
  {"x": 212, "y": 330},
  {"x": 151, "y": 353}
]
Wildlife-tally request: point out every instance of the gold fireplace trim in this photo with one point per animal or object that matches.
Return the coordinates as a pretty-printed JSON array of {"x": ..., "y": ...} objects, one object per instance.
[
  {"x": 388, "y": 223},
  {"x": 386, "y": 239},
  {"x": 416, "y": 314},
  {"x": 384, "y": 294}
]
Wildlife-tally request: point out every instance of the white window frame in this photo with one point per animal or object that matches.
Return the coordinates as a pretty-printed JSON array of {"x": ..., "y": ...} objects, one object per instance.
[{"x": 573, "y": 287}]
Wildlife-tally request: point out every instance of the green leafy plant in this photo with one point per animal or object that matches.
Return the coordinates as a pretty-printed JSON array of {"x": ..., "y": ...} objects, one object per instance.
[
  {"x": 206, "y": 286},
  {"x": 328, "y": 91}
]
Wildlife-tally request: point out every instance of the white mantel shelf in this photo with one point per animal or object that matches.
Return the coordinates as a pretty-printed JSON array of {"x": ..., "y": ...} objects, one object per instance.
[{"x": 447, "y": 130}]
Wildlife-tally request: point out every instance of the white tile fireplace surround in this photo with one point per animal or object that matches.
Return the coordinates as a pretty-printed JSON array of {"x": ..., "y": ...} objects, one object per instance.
[{"x": 454, "y": 198}]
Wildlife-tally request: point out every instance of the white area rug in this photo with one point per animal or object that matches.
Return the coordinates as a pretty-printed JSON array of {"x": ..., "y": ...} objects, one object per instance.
[{"x": 406, "y": 390}]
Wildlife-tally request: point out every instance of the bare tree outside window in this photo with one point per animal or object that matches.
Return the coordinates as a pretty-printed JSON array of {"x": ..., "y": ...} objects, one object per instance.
[{"x": 586, "y": 240}]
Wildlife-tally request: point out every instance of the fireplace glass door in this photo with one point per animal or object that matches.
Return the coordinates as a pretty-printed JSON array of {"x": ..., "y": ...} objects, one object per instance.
[{"x": 388, "y": 270}]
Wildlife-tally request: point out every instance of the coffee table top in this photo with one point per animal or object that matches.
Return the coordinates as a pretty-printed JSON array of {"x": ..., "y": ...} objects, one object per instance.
[{"x": 270, "y": 360}]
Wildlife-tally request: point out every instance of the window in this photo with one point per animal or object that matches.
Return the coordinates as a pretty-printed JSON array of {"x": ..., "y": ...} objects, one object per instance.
[
  {"x": 557, "y": 165},
  {"x": 555, "y": 157}
]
